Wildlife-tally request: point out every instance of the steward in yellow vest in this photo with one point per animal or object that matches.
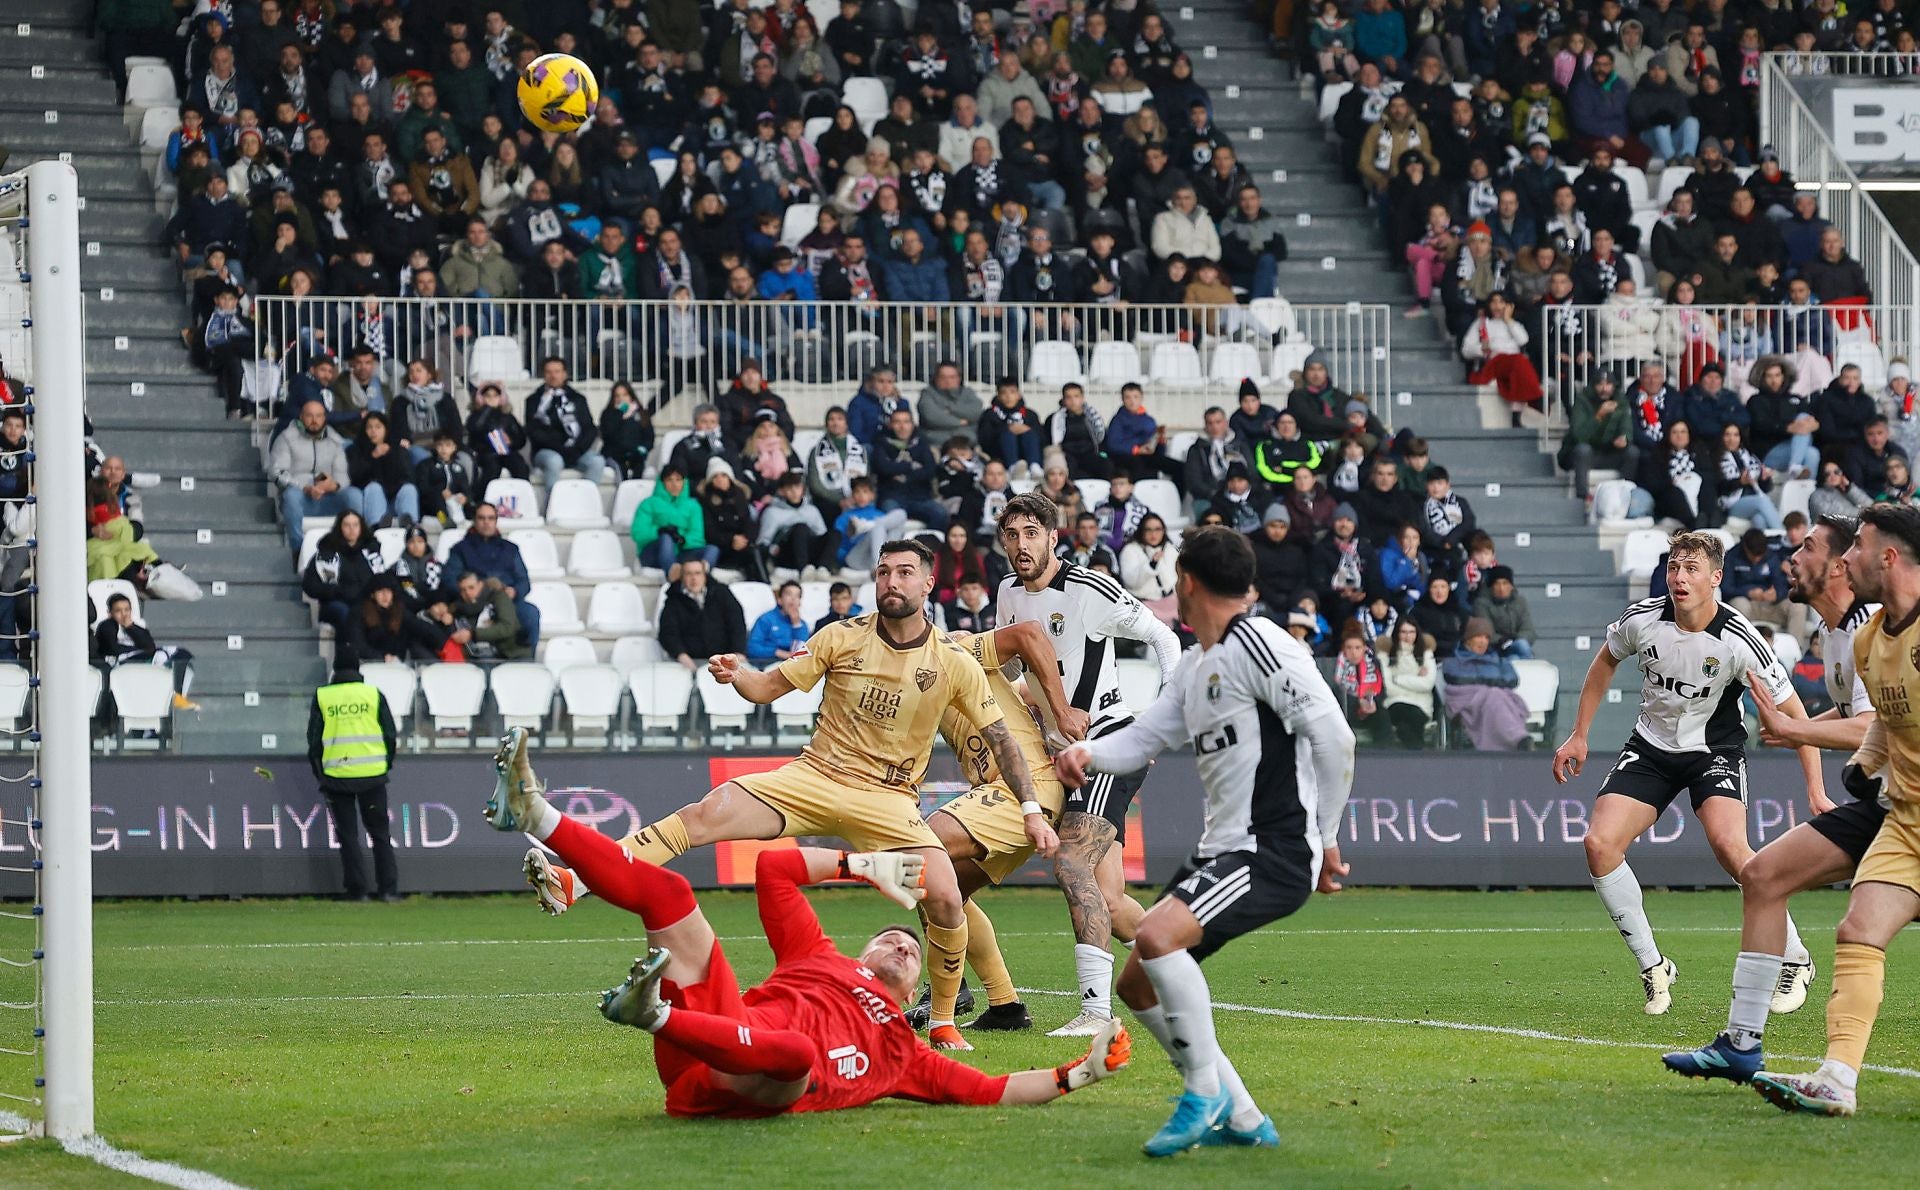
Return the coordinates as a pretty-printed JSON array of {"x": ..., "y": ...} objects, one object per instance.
[{"x": 350, "y": 745}]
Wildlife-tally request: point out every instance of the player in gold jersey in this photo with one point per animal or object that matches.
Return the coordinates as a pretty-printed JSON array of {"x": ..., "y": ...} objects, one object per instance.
[{"x": 1883, "y": 565}]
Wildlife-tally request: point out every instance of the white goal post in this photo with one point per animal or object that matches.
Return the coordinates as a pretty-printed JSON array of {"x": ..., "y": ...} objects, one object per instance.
[{"x": 45, "y": 199}]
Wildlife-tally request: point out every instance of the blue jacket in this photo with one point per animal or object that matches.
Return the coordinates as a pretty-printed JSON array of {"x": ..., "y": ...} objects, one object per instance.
[
  {"x": 1598, "y": 109},
  {"x": 1483, "y": 43},
  {"x": 1128, "y": 430},
  {"x": 1379, "y": 35},
  {"x": 1400, "y": 576},
  {"x": 845, "y": 523},
  {"x": 799, "y": 283},
  {"x": 1743, "y": 574},
  {"x": 903, "y": 470},
  {"x": 1467, "y": 668},
  {"x": 1802, "y": 238},
  {"x": 1709, "y": 415},
  {"x": 489, "y": 557},
  {"x": 922, "y": 282},
  {"x": 774, "y": 631},
  {"x": 867, "y": 415}
]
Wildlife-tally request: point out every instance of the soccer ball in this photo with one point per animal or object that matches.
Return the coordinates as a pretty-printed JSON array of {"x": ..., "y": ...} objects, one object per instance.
[{"x": 557, "y": 93}]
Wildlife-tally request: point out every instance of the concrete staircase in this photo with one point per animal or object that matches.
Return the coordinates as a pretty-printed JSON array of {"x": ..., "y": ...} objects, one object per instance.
[
  {"x": 175, "y": 427},
  {"x": 1468, "y": 431}
]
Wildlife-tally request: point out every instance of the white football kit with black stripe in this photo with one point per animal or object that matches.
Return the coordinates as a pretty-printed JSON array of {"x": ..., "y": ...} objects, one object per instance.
[
  {"x": 1275, "y": 756},
  {"x": 1083, "y": 612},
  {"x": 1691, "y": 734},
  {"x": 1852, "y": 824}
]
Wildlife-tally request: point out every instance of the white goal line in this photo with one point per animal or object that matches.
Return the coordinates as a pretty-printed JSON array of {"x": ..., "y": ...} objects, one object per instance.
[{"x": 98, "y": 1151}]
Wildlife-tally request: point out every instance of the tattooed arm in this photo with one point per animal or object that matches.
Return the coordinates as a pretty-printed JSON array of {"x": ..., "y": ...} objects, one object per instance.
[{"x": 1014, "y": 771}]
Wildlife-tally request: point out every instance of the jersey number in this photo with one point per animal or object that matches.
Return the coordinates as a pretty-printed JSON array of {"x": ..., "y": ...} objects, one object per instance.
[{"x": 1213, "y": 741}]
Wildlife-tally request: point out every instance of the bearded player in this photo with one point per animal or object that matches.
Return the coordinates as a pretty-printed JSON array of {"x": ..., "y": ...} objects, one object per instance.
[{"x": 824, "y": 1031}]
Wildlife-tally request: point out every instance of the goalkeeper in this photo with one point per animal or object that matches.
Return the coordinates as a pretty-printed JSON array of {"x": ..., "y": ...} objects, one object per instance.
[{"x": 824, "y": 1031}]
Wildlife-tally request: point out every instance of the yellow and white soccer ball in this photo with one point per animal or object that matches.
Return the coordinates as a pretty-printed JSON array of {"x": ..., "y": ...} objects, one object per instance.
[{"x": 557, "y": 93}]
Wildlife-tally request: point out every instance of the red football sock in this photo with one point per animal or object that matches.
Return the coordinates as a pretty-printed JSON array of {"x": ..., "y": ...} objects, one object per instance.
[
  {"x": 660, "y": 897},
  {"x": 732, "y": 1046}
]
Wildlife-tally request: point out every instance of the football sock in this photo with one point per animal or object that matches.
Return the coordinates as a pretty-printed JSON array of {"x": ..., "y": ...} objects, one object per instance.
[
  {"x": 659, "y": 842},
  {"x": 1620, "y": 893},
  {"x": 946, "y": 960},
  {"x": 660, "y": 897},
  {"x": 545, "y": 818},
  {"x": 1182, "y": 989},
  {"x": 731, "y": 1046},
  {"x": 1246, "y": 1113},
  {"x": 1095, "y": 966},
  {"x": 1796, "y": 951},
  {"x": 1754, "y": 977},
  {"x": 1155, "y": 1020},
  {"x": 983, "y": 955},
  {"x": 1859, "y": 974}
]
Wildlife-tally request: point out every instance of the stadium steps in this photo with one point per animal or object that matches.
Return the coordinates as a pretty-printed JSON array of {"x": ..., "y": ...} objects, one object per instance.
[
  {"x": 175, "y": 428},
  {"x": 1535, "y": 498}
]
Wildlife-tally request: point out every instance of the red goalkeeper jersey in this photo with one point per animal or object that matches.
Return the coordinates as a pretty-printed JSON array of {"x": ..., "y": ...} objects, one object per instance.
[{"x": 866, "y": 1049}]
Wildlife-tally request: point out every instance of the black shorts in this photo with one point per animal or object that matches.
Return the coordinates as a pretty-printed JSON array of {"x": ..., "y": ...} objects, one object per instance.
[
  {"x": 1653, "y": 776},
  {"x": 1850, "y": 826},
  {"x": 1237, "y": 892},
  {"x": 1107, "y": 795}
]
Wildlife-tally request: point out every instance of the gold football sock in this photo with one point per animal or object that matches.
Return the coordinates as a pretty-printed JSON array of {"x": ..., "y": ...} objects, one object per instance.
[
  {"x": 1859, "y": 978},
  {"x": 946, "y": 955},
  {"x": 983, "y": 955},
  {"x": 662, "y": 841}
]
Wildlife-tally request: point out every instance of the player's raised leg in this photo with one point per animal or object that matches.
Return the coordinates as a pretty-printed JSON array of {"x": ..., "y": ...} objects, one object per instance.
[
  {"x": 1617, "y": 821},
  {"x": 727, "y": 812}
]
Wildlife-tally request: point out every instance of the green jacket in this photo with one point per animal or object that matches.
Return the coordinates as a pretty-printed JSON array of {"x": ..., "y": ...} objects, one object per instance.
[
  {"x": 412, "y": 128},
  {"x": 594, "y": 262},
  {"x": 1587, "y": 428},
  {"x": 467, "y": 272},
  {"x": 466, "y": 95},
  {"x": 660, "y": 512},
  {"x": 1276, "y": 461}
]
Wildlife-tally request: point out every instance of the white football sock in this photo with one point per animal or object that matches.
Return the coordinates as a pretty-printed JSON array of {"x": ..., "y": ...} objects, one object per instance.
[
  {"x": 1182, "y": 990},
  {"x": 1246, "y": 1113},
  {"x": 1155, "y": 1020},
  {"x": 1796, "y": 951},
  {"x": 1620, "y": 893},
  {"x": 546, "y": 819},
  {"x": 1095, "y": 967},
  {"x": 1754, "y": 977},
  {"x": 1840, "y": 1073}
]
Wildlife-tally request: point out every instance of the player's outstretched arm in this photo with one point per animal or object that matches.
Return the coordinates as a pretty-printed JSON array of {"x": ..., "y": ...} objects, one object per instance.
[
  {"x": 1013, "y": 769},
  {"x": 1160, "y": 726},
  {"x": 756, "y": 686},
  {"x": 1112, "y": 1048},
  {"x": 1028, "y": 641},
  {"x": 1570, "y": 757}
]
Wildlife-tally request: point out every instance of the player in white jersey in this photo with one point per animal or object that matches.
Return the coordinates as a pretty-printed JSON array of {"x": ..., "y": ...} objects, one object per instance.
[
  {"x": 1084, "y": 612},
  {"x": 1695, "y": 656},
  {"x": 1821, "y": 851},
  {"x": 1275, "y": 756}
]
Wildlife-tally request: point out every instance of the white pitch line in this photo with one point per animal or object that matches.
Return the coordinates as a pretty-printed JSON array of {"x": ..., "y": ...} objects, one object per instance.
[
  {"x": 1469, "y": 1027},
  {"x": 97, "y": 1150},
  {"x": 377, "y": 944}
]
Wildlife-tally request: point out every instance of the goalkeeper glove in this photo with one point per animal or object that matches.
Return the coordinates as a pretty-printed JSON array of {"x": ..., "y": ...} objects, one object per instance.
[
  {"x": 1106, "y": 1057},
  {"x": 900, "y": 876}
]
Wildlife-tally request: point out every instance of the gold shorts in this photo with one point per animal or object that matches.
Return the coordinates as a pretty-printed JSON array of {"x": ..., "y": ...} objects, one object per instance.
[
  {"x": 1894, "y": 855},
  {"x": 813, "y": 803},
  {"x": 991, "y": 815}
]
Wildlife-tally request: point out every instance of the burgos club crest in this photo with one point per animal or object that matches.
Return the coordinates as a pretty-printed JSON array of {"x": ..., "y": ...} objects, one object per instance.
[
  {"x": 1057, "y": 624},
  {"x": 1213, "y": 687},
  {"x": 1710, "y": 667}
]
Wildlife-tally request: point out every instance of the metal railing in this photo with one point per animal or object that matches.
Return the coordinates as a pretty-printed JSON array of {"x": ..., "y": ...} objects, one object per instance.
[
  {"x": 1844, "y": 64},
  {"x": 816, "y": 354},
  {"x": 1573, "y": 343},
  {"x": 1807, "y": 152}
]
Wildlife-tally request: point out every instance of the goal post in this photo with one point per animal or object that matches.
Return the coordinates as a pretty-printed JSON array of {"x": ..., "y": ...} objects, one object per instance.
[{"x": 63, "y": 800}]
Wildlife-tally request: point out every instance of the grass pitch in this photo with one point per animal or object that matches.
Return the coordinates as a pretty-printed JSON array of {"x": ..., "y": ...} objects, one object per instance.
[{"x": 454, "y": 1043}]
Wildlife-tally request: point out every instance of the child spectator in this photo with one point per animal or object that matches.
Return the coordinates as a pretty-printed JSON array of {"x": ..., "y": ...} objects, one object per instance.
[
  {"x": 1357, "y": 673},
  {"x": 780, "y": 630},
  {"x": 840, "y": 606},
  {"x": 497, "y": 437}
]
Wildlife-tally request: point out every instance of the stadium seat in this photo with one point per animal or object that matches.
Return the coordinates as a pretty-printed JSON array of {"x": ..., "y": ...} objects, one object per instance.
[
  {"x": 1114, "y": 364},
  {"x": 756, "y": 599},
  {"x": 1865, "y": 355},
  {"x": 564, "y": 652},
  {"x": 863, "y": 596},
  {"x": 793, "y": 714},
  {"x": 1232, "y": 363},
  {"x": 1175, "y": 365},
  {"x": 1672, "y": 179},
  {"x": 819, "y": 124},
  {"x": 1161, "y": 496},
  {"x": 1288, "y": 359},
  {"x": 393, "y": 543},
  {"x": 454, "y": 691},
  {"x": 1640, "y": 555},
  {"x": 14, "y": 693},
  {"x": 1054, "y": 362},
  {"x": 152, "y": 86},
  {"x": 143, "y": 696},
  {"x": 1178, "y": 444},
  {"x": 867, "y": 97},
  {"x": 156, "y": 127},
  {"x": 559, "y": 615},
  {"x": 632, "y": 651},
  {"x": 726, "y": 709},
  {"x": 518, "y": 505},
  {"x": 102, "y": 589},
  {"x": 595, "y": 554},
  {"x": 441, "y": 548},
  {"x": 804, "y": 442},
  {"x": 591, "y": 696},
  {"x": 575, "y": 504},
  {"x": 801, "y": 219},
  {"x": 1139, "y": 682},
  {"x": 523, "y": 693},
  {"x": 662, "y": 169},
  {"x": 1276, "y": 315},
  {"x": 1787, "y": 648},
  {"x": 538, "y": 553},
  {"x": 662, "y": 695},
  {"x": 397, "y": 683},
  {"x": 495, "y": 357},
  {"x": 626, "y": 498},
  {"x": 1636, "y": 180},
  {"x": 1794, "y": 495},
  {"x": 616, "y": 609},
  {"x": 1539, "y": 689},
  {"x": 1093, "y": 492},
  {"x": 1330, "y": 97}
]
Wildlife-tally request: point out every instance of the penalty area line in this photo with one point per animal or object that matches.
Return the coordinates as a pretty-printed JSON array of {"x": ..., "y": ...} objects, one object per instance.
[
  {"x": 1470, "y": 1027},
  {"x": 95, "y": 1148}
]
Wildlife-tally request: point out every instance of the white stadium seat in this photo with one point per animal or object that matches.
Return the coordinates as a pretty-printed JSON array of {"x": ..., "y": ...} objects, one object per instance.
[
  {"x": 559, "y": 614},
  {"x": 630, "y": 652},
  {"x": 1539, "y": 687},
  {"x": 1161, "y": 496},
  {"x": 794, "y": 711},
  {"x": 393, "y": 543},
  {"x": 662, "y": 694},
  {"x": 591, "y": 695},
  {"x": 152, "y": 86},
  {"x": 495, "y": 357},
  {"x": 1054, "y": 362},
  {"x": 519, "y": 508},
  {"x": 595, "y": 554},
  {"x": 867, "y": 97},
  {"x": 726, "y": 709},
  {"x": 441, "y": 548},
  {"x": 755, "y": 599},
  {"x": 575, "y": 504},
  {"x": 1139, "y": 682},
  {"x": 1176, "y": 365},
  {"x": 564, "y": 652},
  {"x": 523, "y": 693},
  {"x": 397, "y": 683},
  {"x": 626, "y": 498},
  {"x": 1114, "y": 364},
  {"x": 454, "y": 691},
  {"x": 1640, "y": 556},
  {"x": 538, "y": 553},
  {"x": 1232, "y": 363},
  {"x": 102, "y": 589},
  {"x": 1093, "y": 492},
  {"x": 617, "y": 609},
  {"x": 800, "y": 220},
  {"x": 143, "y": 695},
  {"x": 14, "y": 693}
]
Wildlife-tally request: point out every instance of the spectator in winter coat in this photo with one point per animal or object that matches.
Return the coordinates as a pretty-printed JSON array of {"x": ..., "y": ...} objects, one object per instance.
[
  {"x": 1252, "y": 245},
  {"x": 1011, "y": 432},
  {"x": 874, "y": 405},
  {"x": 916, "y": 275},
  {"x": 308, "y": 464},
  {"x": 560, "y": 427},
  {"x": 905, "y": 469},
  {"x": 445, "y": 486},
  {"x": 1446, "y": 520},
  {"x": 1657, "y": 113},
  {"x": 1209, "y": 458},
  {"x": 1803, "y": 232},
  {"x": 1843, "y": 410},
  {"x": 477, "y": 266},
  {"x": 1185, "y": 228},
  {"x": 1253, "y": 420},
  {"x": 1866, "y": 461},
  {"x": 1440, "y": 614},
  {"x": 627, "y": 184},
  {"x": 1283, "y": 569},
  {"x": 484, "y": 551},
  {"x": 382, "y": 476},
  {"x": 1681, "y": 241},
  {"x": 1601, "y": 432},
  {"x": 1710, "y": 405},
  {"x": 626, "y": 431},
  {"x": 496, "y": 437},
  {"x": 700, "y": 618},
  {"x": 484, "y": 620},
  {"x": 1079, "y": 431},
  {"x": 1756, "y": 582},
  {"x": 1834, "y": 275},
  {"x": 1345, "y": 565},
  {"x": 780, "y": 630},
  {"x": 1505, "y": 610},
  {"x": 1597, "y": 107},
  {"x": 794, "y": 534},
  {"x": 668, "y": 528},
  {"x": 946, "y": 405},
  {"x": 342, "y": 570},
  {"x": 748, "y": 402},
  {"x": 1317, "y": 404},
  {"x": 1134, "y": 440}
]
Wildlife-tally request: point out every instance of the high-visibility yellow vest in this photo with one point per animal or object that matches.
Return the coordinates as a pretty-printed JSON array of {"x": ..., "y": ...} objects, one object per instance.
[{"x": 351, "y": 744}]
